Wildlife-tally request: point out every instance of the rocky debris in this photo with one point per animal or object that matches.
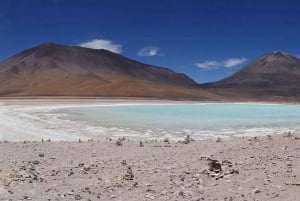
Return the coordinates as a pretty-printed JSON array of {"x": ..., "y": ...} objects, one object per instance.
[
  {"x": 219, "y": 139},
  {"x": 26, "y": 174},
  {"x": 187, "y": 140},
  {"x": 129, "y": 175},
  {"x": 219, "y": 169},
  {"x": 123, "y": 162},
  {"x": 288, "y": 134},
  {"x": 214, "y": 165},
  {"x": 41, "y": 155},
  {"x": 293, "y": 183},
  {"x": 167, "y": 140},
  {"x": 120, "y": 141},
  {"x": 160, "y": 173},
  {"x": 256, "y": 191},
  {"x": 78, "y": 197}
]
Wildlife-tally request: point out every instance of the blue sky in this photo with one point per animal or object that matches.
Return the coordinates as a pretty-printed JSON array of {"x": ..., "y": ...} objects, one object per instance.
[{"x": 206, "y": 39}]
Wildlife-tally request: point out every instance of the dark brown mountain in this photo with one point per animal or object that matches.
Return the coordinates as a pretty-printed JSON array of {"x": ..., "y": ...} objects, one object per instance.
[
  {"x": 273, "y": 76},
  {"x": 59, "y": 70}
]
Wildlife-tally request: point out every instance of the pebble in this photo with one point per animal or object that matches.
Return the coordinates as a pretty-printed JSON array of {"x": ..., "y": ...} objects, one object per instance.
[{"x": 256, "y": 191}]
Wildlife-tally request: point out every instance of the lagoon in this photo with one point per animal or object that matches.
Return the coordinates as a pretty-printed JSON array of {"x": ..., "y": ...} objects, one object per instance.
[{"x": 201, "y": 121}]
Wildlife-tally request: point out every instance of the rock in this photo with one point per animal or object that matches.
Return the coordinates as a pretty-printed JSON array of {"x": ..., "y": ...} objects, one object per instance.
[
  {"x": 112, "y": 196},
  {"x": 293, "y": 184},
  {"x": 288, "y": 134},
  {"x": 78, "y": 197},
  {"x": 123, "y": 162},
  {"x": 214, "y": 165},
  {"x": 181, "y": 193},
  {"x": 129, "y": 175},
  {"x": 219, "y": 139},
  {"x": 41, "y": 155},
  {"x": 187, "y": 139},
  {"x": 141, "y": 144},
  {"x": 119, "y": 142},
  {"x": 135, "y": 184},
  {"x": 167, "y": 140},
  {"x": 256, "y": 191},
  {"x": 36, "y": 162}
]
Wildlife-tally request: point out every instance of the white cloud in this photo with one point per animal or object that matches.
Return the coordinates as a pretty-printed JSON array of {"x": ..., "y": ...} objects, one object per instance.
[
  {"x": 234, "y": 62},
  {"x": 102, "y": 44},
  {"x": 208, "y": 65},
  {"x": 228, "y": 63},
  {"x": 149, "y": 52}
]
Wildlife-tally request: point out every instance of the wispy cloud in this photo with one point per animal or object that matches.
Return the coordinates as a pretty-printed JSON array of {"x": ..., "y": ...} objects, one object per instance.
[
  {"x": 149, "y": 51},
  {"x": 213, "y": 64},
  {"x": 232, "y": 62},
  {"x": 102, "y": 44}
]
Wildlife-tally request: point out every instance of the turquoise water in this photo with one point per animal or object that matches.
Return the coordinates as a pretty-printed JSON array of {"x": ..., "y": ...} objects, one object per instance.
[{"x": 198, "y": 120}]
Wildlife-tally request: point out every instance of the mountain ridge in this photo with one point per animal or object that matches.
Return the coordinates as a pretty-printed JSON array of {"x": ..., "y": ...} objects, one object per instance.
[
  {"x": 60, "y": 70},
  {"x": 272, "y": 75}
]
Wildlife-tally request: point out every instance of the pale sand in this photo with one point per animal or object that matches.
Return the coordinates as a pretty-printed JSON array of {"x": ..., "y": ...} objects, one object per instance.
[{"x": 265, "y": 168}]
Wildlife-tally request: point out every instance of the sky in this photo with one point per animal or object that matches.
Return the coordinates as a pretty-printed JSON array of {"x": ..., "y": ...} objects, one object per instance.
[{"x": 206, "y": 39}]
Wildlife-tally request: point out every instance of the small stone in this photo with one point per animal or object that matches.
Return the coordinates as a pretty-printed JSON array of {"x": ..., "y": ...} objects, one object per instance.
[
  {"x": 36, "y": 162},
  {"x": 214, "y": 165},
  {"x": 129, "y": 175},
  {"x": 123, "y": 162},
  {"x": 78, "y": 197},
  {"x": 256, "y": 191},
  {"x": 119, "y": 142},
  {"x": 41, "y": 155}
]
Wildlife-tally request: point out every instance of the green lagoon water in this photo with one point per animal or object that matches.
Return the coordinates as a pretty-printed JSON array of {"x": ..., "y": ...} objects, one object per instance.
[{"x": 201, "y": 121}]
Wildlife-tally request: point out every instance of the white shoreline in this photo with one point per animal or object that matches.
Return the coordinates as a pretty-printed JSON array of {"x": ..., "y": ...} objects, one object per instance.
[{"x": 15, "y": 112}]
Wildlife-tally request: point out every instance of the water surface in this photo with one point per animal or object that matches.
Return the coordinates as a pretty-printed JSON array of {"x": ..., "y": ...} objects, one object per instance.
[{"x": 198, "y": 120}]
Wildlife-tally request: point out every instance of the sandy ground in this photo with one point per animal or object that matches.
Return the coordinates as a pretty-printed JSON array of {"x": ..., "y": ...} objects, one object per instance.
[{"x": 260, "y": 168}]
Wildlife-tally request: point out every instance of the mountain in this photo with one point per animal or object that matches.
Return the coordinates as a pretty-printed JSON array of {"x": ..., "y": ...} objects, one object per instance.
[
  {"x": 60, "y": 70},
  {"x": 273, "y": 76}
]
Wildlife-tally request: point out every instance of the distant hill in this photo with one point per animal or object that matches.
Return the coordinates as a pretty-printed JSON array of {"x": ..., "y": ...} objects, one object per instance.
[
  {"x": 274, "y": 76},
  {"x": 59, "y": 70}
]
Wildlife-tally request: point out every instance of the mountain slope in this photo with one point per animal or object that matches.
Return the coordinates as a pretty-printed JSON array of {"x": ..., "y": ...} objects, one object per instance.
[
  {"x": 56, "y": 70},
  {"x": 273, "y": 75}
]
